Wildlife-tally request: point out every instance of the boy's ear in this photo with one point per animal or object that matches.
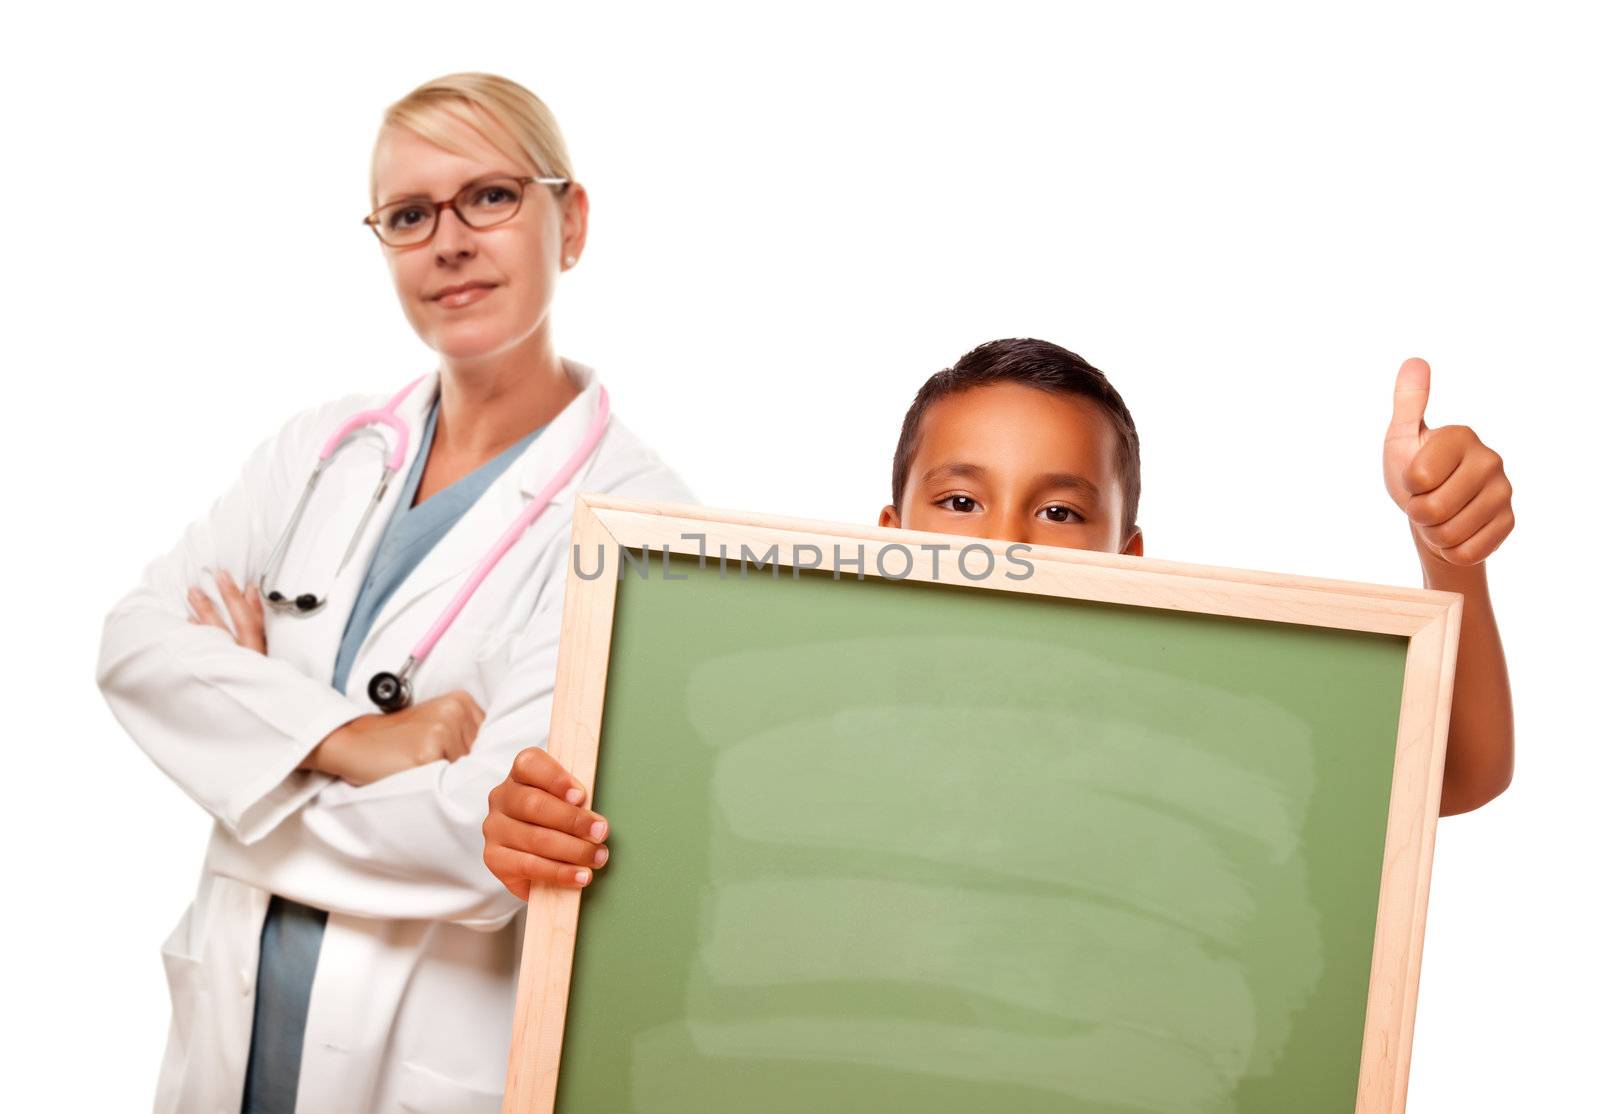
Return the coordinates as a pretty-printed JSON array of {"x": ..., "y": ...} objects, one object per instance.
[
  {"x": 889, "y": 517},
  {"x": 1134, "y": 546}
]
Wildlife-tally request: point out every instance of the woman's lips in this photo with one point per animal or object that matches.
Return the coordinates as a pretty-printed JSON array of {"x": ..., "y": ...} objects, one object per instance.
[{"x": 464, "y": 297}]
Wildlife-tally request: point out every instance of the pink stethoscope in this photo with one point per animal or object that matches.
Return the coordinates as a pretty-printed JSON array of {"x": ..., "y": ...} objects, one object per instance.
[{"x": 392, "y": 691}]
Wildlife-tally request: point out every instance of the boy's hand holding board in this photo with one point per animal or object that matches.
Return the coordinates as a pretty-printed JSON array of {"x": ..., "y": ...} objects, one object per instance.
[{"x": 537, "y": 830}]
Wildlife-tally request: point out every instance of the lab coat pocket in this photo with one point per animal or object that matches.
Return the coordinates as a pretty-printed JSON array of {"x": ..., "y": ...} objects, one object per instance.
[
  {"x": 182, "y": 962},
  {"x": 429, "y": 1092}
]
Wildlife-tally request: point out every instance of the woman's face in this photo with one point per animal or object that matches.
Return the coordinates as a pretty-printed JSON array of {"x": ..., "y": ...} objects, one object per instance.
[{"x": 472, "y": 293}]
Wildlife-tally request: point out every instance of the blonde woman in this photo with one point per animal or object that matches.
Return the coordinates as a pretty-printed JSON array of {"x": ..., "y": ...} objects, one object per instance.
[{"x": 348, "y": 949}]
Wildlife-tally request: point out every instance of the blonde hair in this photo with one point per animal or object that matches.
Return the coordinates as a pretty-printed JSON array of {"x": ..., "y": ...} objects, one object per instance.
[{"x": 433, "y": 107}]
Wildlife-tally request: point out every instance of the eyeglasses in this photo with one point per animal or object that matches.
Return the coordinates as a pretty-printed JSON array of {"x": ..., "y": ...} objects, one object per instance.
[{"x": 411, "y": 222}]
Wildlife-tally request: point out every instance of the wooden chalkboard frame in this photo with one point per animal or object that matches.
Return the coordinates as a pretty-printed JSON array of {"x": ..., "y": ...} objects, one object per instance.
[{"x": 1430, "y": 620}]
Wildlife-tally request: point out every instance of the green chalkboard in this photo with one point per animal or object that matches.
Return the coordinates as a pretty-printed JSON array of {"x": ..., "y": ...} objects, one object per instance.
[{"x": 899, "y": 846}]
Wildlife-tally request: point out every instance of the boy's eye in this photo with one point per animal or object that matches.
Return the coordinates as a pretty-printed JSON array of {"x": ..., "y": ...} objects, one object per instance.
[
  {"x": 962, "y": 504},
  {"x": 1055, "y": 512}
]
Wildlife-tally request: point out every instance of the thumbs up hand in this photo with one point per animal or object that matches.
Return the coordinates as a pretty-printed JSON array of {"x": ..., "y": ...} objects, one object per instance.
[{"x": 1451, "y": 485}]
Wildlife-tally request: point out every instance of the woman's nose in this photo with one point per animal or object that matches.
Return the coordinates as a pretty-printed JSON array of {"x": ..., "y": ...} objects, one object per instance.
[{"x": 452, "y": 240}]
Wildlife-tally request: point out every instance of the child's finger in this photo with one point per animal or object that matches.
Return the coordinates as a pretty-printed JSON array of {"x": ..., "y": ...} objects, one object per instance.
[
  {"x": 1437, "y": 459},
  {"x": 507, "y": 862},
  {"x": 535, "y": 767},
  {"x": 535, "y": 806},
  {"x": 1477, "y": 548},
  {"x": 549, "y": 844},
  {"x": 1447, "y": 500},
  {"x": 1410, "y": 397},
  {"x": 1482, "y": 509}
]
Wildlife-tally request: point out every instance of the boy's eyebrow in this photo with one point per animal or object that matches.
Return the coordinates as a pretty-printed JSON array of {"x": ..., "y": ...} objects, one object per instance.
[
  {"x": 959, "y": 470},
  {"x": 1072, "y": 480},
  {"x": 965, "y": 471}
]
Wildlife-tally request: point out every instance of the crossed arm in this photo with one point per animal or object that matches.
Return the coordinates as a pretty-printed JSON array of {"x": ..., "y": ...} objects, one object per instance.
[
  {"x": 400, "y": 832},
  {"x": 315, "y": 798}
]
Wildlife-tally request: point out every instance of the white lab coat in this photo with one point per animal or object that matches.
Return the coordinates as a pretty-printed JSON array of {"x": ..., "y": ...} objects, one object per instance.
[{"x": 412, "y": 1003}]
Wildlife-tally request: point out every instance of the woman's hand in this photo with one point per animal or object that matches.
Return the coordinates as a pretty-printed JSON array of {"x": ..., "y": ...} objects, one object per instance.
[
  {"x": 1451, "y": 485},
  {"x": 249, "y": 622},
  {"x": 372, "y": 747},
  {"x": 537, "y": 831}
]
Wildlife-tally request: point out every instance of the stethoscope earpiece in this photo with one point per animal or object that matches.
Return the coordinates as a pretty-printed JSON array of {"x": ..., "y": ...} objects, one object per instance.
[{"x": 305, "y": 603}]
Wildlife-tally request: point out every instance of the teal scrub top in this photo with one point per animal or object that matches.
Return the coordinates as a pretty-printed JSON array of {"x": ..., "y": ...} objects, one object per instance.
[{"x": 291, "y": 936}]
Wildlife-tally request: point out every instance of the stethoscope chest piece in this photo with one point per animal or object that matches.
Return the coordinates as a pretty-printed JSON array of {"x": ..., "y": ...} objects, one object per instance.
[{"x": 391, "y": 692}]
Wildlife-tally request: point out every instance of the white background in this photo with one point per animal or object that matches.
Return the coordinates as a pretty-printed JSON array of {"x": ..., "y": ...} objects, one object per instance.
[{"x": 1247, "y": 216}]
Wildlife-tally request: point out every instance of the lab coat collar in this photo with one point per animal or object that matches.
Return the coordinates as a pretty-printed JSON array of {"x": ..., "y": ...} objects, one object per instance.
[
  {"x": 561, "y": 438},
  {"x": 549, "y": 451}
]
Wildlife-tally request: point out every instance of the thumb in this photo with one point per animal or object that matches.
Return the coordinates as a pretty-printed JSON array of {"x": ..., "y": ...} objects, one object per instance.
[{"x": 1410, "y": 398}]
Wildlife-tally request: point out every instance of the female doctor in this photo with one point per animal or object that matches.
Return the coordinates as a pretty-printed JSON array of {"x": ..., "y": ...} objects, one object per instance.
[{"x": 348, "y": 950}]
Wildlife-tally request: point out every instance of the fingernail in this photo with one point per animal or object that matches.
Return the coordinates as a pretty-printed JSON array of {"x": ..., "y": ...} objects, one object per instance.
[
  {"x": 597, "y": 830},
  {"x": 582, "y": 878},
  {"x": 601, "y": 856},
  {"x": 574, "y": 796},
  {"x": 226, "y": 578}
]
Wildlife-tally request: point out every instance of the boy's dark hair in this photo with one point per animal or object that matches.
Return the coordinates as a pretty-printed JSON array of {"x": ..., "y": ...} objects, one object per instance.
[{"x": 1033, "y": 363}]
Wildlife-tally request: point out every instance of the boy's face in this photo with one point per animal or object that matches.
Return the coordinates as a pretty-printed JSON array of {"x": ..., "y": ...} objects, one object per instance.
[{"x": 1016, "y": 463}]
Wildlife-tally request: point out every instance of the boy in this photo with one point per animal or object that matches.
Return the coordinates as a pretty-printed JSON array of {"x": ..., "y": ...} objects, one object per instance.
[{"x": 1022, "y": 440}]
